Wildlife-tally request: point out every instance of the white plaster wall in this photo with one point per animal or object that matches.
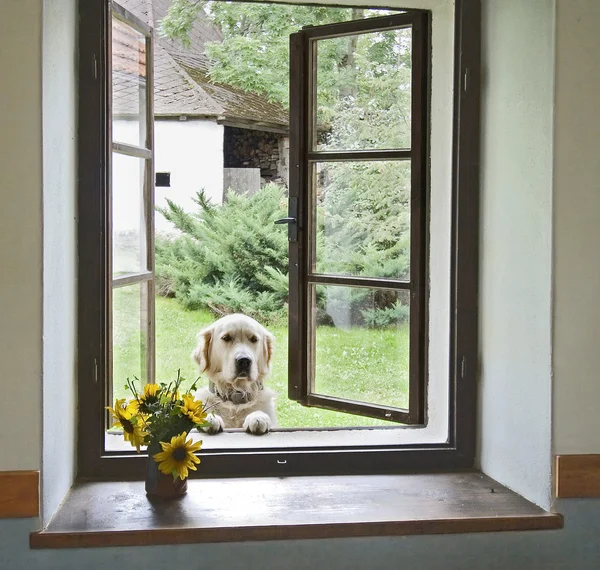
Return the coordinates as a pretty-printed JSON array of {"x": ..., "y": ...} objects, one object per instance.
[
  {"x": 192, "y": 151},
  {"x": 20, "y": 234},
  {"x": 59, "y": 284},
  {"x": 577, "y": 228},
  {"x": 516, "y": 226}
]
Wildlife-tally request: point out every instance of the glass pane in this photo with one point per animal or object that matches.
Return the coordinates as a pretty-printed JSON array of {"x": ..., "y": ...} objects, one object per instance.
[
  {"x": 362, "y": 213},
  {"x": 361, "y": 344},
  {"x": 129, "y": 312},
  {"x": 128, "y": 214},
  {"x": 363, "y": 91},
  {"x": 129, "y": 84}
]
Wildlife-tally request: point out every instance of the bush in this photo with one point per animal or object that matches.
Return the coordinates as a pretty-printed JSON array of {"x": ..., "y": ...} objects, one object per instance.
[
  {"x": 233, "y": 258},
  {"x": 229, "y": 258}
]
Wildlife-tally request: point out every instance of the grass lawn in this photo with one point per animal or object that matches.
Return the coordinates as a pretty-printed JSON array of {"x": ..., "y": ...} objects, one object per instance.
[{"x": 367, "y": 365}]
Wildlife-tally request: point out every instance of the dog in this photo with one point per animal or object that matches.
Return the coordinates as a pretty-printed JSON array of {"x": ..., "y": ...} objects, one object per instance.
[{"x": 235, "y": 353}]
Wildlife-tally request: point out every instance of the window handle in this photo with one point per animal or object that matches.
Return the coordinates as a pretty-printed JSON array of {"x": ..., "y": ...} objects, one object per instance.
[{"x": 291, "y": 220}]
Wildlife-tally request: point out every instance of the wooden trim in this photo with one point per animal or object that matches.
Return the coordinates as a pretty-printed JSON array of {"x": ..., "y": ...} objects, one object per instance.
[
  {"x": 45, "y": 539},
  {"x": 19, "y": 494},
  {"x": 577, "y": 476},
  {"x": 379, "y": 411},
  {"x": 351, "y": 281},
  {"x": 358, "y": 155},
  {"x": 132, "y": 279},
  {"x": 132, "y": 150},
  {"x": 234, "y": 510}
]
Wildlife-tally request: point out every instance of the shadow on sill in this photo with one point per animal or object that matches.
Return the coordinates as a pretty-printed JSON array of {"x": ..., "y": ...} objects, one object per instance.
[{"x": 96, "y": 514}]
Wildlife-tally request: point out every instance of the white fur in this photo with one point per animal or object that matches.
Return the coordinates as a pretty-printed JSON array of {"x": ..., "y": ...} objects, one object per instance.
[{"x": 218, "y": 347}]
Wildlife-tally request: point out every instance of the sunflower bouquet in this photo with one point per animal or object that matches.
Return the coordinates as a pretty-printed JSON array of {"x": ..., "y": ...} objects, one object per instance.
[{"x": 161, "y": 417}]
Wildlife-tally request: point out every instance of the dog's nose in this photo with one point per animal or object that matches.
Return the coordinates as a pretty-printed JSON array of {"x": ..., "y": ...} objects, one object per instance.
[{"x": 243, "y": 363}]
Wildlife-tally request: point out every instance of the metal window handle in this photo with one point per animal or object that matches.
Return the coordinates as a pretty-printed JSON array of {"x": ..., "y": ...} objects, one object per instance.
[{"x": 291, "y": 220}]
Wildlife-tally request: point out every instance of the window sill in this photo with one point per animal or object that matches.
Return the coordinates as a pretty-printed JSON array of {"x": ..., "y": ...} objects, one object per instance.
[{"x": 98, "y": 514}]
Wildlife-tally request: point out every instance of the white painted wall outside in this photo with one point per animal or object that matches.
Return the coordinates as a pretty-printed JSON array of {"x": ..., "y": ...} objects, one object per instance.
[
  {"x": 577, "y": 228},
  {"x": 516, "y": 240},
  {"x": 191, "y": 150}
]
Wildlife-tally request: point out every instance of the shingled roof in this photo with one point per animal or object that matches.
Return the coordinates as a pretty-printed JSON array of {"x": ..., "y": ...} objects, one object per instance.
[{"x": 181, "y": 83}]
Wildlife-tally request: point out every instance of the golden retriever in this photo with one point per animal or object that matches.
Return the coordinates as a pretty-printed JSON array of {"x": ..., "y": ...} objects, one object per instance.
[{"x": 235, "y": 353}]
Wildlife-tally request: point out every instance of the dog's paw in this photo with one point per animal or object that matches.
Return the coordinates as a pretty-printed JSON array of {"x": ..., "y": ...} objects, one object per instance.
[
  {"x": 216, "y": 424},
  {"x": 257, "y": 423}
]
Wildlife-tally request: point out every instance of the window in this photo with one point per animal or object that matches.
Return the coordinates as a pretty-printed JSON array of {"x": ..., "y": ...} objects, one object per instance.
[
  {"x": 320, "y": 157},
  {"x": 344, "y": 170}
]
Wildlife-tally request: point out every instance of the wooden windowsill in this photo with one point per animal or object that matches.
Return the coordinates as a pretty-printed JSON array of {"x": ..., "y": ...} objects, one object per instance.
[{"x": 98, "y": 514}]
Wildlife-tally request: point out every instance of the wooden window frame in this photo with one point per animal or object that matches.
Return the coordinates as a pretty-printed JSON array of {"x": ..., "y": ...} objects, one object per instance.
[
  {"x": 302, "y": 156},
  {"x": 93, "y": 147}
]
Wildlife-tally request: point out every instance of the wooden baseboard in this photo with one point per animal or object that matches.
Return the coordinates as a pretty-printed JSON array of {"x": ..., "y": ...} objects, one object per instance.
[
  {"x": 19, "y": 494},
  {"x": 577, "y": 476}
]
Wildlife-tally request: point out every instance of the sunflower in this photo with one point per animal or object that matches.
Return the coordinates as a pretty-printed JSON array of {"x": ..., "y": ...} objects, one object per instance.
[
  {"x": 134, "y": 434},
  {"x": 149, "y": 397},
  {"x": 125, "y": 417},
  {"x": 121, "y": 412},
  {"x": 193, "y": 409},
  {"x": 178, "y": 456}
]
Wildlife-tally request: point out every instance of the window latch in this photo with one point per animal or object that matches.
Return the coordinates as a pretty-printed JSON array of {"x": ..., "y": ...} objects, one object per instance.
[{"x": 291, "y": 220}]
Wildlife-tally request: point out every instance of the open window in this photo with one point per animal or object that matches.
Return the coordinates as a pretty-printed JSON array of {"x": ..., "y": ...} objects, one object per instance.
[
  {"x": 358, "y": 214},
  {"x": 353, "y": 150},
  {"x": 131, "y": 334}
]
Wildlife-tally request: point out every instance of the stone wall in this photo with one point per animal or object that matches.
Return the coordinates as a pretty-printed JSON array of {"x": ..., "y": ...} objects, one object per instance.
[{"x": 246, "y": 148}]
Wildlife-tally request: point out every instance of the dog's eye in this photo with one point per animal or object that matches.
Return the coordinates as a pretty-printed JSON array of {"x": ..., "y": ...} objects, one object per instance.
[
  {"x": 253, "y": 338},
  {"x": 226, "y": 338}
]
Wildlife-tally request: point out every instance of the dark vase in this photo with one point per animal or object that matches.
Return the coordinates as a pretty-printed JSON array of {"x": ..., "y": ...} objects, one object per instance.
[{"x": 159, "y": 485}]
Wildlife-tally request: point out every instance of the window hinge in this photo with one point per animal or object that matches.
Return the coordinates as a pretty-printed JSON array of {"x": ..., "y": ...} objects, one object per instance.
[
  {"x": 466, "y": 79},
  {"x": 463, "y": 367},
  {"x": 95, "y": 65}
]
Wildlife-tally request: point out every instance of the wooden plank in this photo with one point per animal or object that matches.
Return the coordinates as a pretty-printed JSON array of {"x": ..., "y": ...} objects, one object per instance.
[
  {"x": 235, "y": 510},
  {"x": 577, "y": 476},
  {"x": 19, "y": 494}
]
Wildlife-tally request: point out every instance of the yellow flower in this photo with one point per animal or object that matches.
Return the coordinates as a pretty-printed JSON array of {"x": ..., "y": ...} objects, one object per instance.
[
  {"x": 125, "y": 417},
  {"x": 134, "y": 434},
  {"x": 147, "y": 398},
  {"x": 193, "y": 409},
  {"x": 121, "y": 412},
  {"x": 178, "y": 456}
]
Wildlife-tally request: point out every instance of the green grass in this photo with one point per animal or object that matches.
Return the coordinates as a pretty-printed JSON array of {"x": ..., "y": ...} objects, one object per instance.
[{"x": 367, "y": 365}]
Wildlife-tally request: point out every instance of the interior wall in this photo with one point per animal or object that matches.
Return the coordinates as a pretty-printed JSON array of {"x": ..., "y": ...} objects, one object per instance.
[
  {"x": 59, "y": 283},
  {"x": 516, "y": 233},
  {"x": 20, "y": 234},
  {"x": 577, "y": 228}
]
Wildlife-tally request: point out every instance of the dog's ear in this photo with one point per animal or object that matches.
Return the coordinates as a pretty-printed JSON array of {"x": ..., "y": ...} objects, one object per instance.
[
  {"x": 201, "y": 353},
  {"x": 268, "y": 345}
]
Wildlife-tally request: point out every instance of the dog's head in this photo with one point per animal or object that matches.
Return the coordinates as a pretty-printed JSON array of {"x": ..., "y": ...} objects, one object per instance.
[{"x": 235, "y": 350}]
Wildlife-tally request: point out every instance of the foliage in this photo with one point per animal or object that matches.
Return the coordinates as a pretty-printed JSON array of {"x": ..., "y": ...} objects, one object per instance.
[
  {"x": 363, "y": 102},
  {"x": 229, "y": 258}
]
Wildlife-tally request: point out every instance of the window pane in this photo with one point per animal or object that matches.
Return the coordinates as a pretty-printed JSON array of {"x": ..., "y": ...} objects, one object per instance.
[
  {"x": 128, "y": 214},
  {"x": 361, "y": 344},
  {"x": 363, "y": 91},
  {"x": 129, "y": 343},
  {"x": 362, "y": 214},
  {"x": 129, "y": 84}
]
